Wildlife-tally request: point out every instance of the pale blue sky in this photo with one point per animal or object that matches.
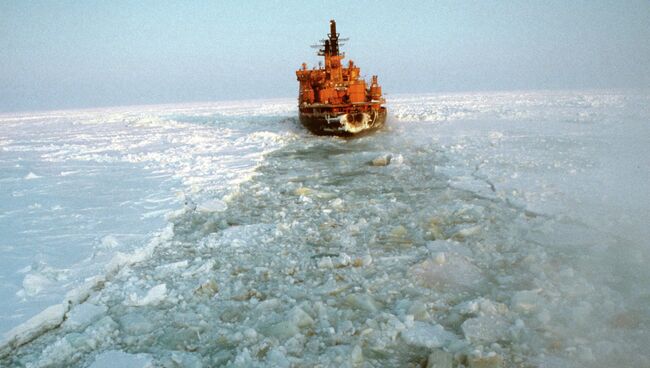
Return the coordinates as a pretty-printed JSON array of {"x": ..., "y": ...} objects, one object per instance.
[{"x": 68, "y": 54}]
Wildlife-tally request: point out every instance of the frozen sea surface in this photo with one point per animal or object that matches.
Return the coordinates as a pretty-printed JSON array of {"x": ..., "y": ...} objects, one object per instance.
[
  {"x": 476, "y": 230},
  {"x": 78, "y": 187}
]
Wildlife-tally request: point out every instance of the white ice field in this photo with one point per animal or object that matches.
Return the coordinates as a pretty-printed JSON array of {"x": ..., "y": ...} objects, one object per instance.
[{"x": 476, "y": 230}]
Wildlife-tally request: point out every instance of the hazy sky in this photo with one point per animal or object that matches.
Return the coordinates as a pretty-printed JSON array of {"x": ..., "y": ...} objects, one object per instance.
[{"x": 67, "y": 54}]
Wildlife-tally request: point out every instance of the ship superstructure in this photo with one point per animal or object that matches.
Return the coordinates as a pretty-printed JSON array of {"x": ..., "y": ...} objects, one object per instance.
[{"x": 333, "y": 98}]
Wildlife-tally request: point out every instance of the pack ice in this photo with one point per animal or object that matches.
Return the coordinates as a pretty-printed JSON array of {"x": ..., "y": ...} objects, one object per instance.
[{"x": 476, "y": 230}]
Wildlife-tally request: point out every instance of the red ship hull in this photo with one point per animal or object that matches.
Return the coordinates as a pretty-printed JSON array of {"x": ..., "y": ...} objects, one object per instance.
[{"x": 343, "y": 124}]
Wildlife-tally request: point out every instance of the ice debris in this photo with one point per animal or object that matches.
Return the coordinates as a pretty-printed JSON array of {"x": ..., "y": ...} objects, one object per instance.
[
  {"x": 31, "y": 176},
  {"x": 440, "y": 359},
  {"x": 116, "y": 358},
  {"x": 47, "y": 319},
  {"x": 452, "y": 270},
  {"x": 383, "y": 160},
  {"x": 526, "y": 301},
  {"x": 387, "y": 159},
  {"x": 489, "y": 360},
  {"x": 214, "y": 205},
  {"x": 428, "y": 335},
  {"x": 486, "y": 329},
  {"x": 83, "y": 315},
  {"x": 155, "y": 295}
]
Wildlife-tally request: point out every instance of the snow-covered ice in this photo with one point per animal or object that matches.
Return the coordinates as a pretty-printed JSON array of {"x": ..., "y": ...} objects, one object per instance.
[
  {"x": 482, "y": 230},
  {"x": 78, "y": 188}
]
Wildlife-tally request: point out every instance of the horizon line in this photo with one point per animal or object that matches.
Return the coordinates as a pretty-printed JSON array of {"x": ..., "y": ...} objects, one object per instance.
[{"x": 20, "y": 113}]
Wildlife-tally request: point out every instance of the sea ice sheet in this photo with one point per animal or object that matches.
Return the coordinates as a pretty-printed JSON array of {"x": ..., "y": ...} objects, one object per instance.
[{"x": 491, "y": 233}]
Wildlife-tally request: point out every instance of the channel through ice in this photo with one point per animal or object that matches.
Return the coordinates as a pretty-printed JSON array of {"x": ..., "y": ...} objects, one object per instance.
[{"x": 476, "y": 230}]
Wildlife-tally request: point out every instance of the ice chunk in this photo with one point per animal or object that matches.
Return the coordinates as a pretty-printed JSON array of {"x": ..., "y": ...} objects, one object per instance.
[
  {"x": 31, "y": 176},
  {"x": 399, "y": 232},
  {"x": 440, "y": 359},
  {"x": 34, "y": 283},
  {"x": 109, "y": 242},
  {"x": 81, "y": 293},
  {"x": 300, "y": 318},
  {"x": 186, "y": 360},
  {"x": 136, "y": 324},
  {"x": 366, "y": 260},
  {"x": 267, "y": 305},
  {"x": 302, "y": 191},
  {"x": 362, "y": 301},
  {"x": 397, "y": 160},
  {"x": 154, "y": 296},
  {"x": 467, "y": 232},
  {"x": 337, "y": 203},
  {"x": 418, "y": 310},
  {"x": 325, "y": 262},
  {"x": 495, "y": 137},
  {"x": 456, "y": 271},
  {"x": 486, "y": 328},
  {"x": 84, "y": 314},
  {"x": 525, "y": 301},
  {"x": 489, "y": 360},
  {"x": 171, "y": 268},
  {"x": 208, "y": 288},
  {"x": 116, "y": 358},
  {"x": 47, "y": 319},
  {"x": 215, "y": 205},
  {"x": 204, "y": 269},
  {"x": 343, "y": 260},
  {"x": 356, "y": 357},
  {"x": 427, "y": 335},
  {"x": 282, "y": 330},
  {"x": 382, "y": 160},
  {"x": 250, "y": 334},
  {"x": 277, "y": 358},
  {"x": 481, "y": 306}
]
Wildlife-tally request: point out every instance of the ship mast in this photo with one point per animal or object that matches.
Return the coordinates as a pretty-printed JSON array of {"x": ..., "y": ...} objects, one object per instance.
[
  {"x": 334, "y": 39},
  {"x": 332, "y": 56}
]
